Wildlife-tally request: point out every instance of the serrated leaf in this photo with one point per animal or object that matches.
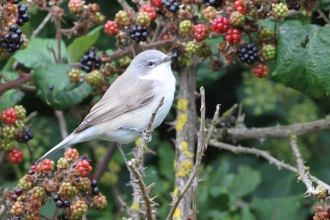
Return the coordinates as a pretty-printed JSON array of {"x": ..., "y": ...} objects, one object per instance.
[
  {"x": 10, "y": 98},
  {"x": 63, "y": 94},
  {"x": 302, "y": 58},
  {"x": 38, "y": 53},
  {"x": 246, "y": 181},
  {"x": 81, "y": 44},
  {"x": 277, "y": 209}
]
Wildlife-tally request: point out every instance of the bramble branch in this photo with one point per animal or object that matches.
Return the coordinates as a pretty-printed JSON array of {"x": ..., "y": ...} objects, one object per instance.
[
  {"x": 278, "y": 131},
  {"x": 267, "y": 156}
]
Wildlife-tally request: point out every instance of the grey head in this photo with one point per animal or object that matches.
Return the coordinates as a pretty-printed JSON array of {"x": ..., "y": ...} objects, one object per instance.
[{"x": 147, "y": 60}]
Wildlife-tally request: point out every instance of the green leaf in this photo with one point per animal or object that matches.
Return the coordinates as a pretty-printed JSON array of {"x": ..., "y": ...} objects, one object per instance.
[
  {"x": 81, "y": 44},
  {"x": 277, "y": 209},
  {"x": 245, "y": 181},
  {"x": 166, "y": 161},
  {"x": 302, "y": 58},
  {"x": 246, "y": 214},
  {"x": 64, "y": 94},
  {"x": 39, "y": 53},
  {"x": 10, "y": 98},
  {"x": 324, "y": 4}
]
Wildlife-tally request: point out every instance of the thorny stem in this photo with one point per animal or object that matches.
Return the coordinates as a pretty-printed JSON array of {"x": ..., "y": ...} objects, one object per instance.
[
  {"x": 144, "y": 191},
  {"x": 301, "y": 168},
  {"x": 278, "y": 131},
  {"x": 323, "y": 16},
  {"x": 42, "y": 24},
  {"x": 124, "y": 4},
  {"x": 267, "y": 156},
  {"x": 57, "y": 22},
  {"x": 147, "y": 133},
  {"x": 55, "y": 213},
  {"x": 23, "y": 78}
]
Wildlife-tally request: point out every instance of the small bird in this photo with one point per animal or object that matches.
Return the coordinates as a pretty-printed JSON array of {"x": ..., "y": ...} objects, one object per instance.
[{"x": 126, "y": 108}]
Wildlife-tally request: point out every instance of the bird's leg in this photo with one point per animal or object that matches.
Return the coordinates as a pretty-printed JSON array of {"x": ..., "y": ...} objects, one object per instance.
[
  {"x": 126, "y": 162},
  {"x": 145, "y": 137}
]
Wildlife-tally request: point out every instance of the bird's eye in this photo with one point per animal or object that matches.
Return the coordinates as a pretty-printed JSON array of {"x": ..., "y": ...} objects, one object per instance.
[{"x": 150, "y": 63}]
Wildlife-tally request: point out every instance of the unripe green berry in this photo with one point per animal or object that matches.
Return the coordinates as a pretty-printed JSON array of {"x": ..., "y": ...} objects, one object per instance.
[
  {"x": 143, "y": 19},
  {"x": 280, "y": 10},
  {"x": 192, "y": 47},
  {"x": 39, "y": 192},
  {"x": 237, "y": 19},
  {"x": 268, "y": 52},
  {"x": 266, "y": 34},
  {"x": 63, "y": 163},
  {"x": 94, "y": 77},
  {"x": 74, "y": 75},
  {"x": 67, "y": 190},
  {"x": 186, "y": 27}
]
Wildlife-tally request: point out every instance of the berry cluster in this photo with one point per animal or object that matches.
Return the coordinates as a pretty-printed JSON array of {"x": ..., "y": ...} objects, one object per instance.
[
  {"x": 220, "y": 25},
  {"x": 248, "y": 53},
  {"x": 90, "y": 61},
  {"x": 13, "y": 129},
  {"x": 14, "y": 40},
  {"x": 23, "y": 15},
  {"x": 201, "y": 32},
  {"x": 139, "y": 33},
  {"x": 171, "y": 5},
  {"x": 239, "y": 6},
  {"x": 70, "y": 190},
  {"x": 83, "y": 167},
  {"x": 214, "y": 3},
  {"x": 111, "y": 28},
  {"x": 260, "y": 70},
  {"x": 150, "y": 10},
  {"x": 233, "y": 35}
]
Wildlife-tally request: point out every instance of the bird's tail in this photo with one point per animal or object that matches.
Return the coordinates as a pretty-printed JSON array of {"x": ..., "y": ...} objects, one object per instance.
[{"x": 61, "y": 145}]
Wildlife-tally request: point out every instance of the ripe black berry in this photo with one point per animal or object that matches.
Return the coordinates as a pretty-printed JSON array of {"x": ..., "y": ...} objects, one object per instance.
[
  {"x": 66, "y": 203},
  {"x": 23, "y": 15},
  {"x": 139, "y": 33},
  {"x": 56, "y": 198},
  {"x": 175, "y": 53},
  {"x": 12, "y": 41},
  {"x": 90, "y": 61},
  {"x": 95, "y": 191},
  {"x": 248, "y": 53},
  {"x": 15, "y": 2},
  {"x": 23, "y": 135},
  {"x": 171, "y": 5},
  {"x": 31, "y": 172},
  {"x": 59, "y": 203},
  {"x": 13, "y": 28},
  {"x": 214, "y": 3},
  {"x": 94, "y": 183}
]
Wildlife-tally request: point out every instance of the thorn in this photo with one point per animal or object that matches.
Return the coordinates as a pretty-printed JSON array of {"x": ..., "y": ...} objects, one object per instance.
[{"x": 153, "y": 198}]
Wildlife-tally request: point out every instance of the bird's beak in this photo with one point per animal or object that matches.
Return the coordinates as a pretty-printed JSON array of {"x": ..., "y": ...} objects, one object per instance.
[{"x": 167, "y": 59}]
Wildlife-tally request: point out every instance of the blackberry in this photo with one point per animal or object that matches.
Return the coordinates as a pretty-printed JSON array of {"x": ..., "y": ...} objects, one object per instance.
[
  {"x": 214, "y": 3},
  {"x": 90, "y": 61},
  {"x": 95, "y": 191},
  {"x": 59, "y": 203},
  {"x": 56, "y": 197},
  {"x": 23, "y": 15},
  {"x": 139, "y": 33},
  {"x": 171, "y": 5},
  {"x": 66, "y": 203},
  {"x": 23, "y": 135},
  {"x": 248, "y": 53},
  {"x": 15, "y": 2},
  {"x": 12, "y": 41},
  {"x": 94, "y": 183}
]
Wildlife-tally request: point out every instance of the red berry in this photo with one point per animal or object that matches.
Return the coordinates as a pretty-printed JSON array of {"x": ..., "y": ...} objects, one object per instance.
[
  {"x": 46, "y": 166},
  {"x": 233, "y": 35},
  {"x": 150, "y": 10},
  {"x": 9, "y": 116},
  {"x": 111, "y": 28},
  {"x": 15, "y": 156},
  {"x": 84, "y": 168},
  {"x": 201, "y": 32},
  {"x": 326, "y": 215},
  {"x": 157, "y": 3},
  {"x": 220, "y": 24},
  {"x": 260, "y": 70},
  {"x": 239, "y": 6}
]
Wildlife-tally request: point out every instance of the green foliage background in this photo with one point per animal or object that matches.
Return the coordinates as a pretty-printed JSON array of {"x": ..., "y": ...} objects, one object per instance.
[{"x": 232, "y": 186}]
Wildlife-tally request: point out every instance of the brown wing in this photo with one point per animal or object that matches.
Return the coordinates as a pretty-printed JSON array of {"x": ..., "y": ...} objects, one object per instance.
[{"x": 124, "y": 95}]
